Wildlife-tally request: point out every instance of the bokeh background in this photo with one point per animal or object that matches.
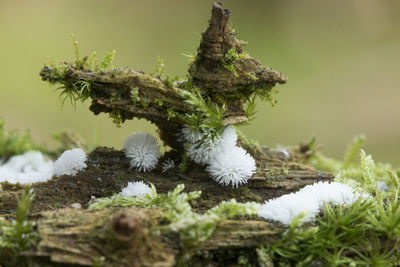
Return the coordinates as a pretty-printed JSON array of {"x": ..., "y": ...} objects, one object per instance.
[{"x": 342, "y": 58}]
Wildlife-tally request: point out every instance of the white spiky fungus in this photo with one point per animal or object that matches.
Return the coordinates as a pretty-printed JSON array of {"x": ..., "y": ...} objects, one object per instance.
[
  {"x": 143, "y": 150},
  {"x": 203, "y": 151},
  {"x": 136, "y": 189},
  {"x": 309, "y": 199},
  {"x": 189, "y": 135},
  {"x": 70, "y": 162},
  {"x": 227, "y": 163},
  {"x": 30, "y": 167},
  {"x": 229, "y": 137},
  {"x": 232, "y": 167},
  {"x": 287, "y": 207},
  {"x": 167, "y": 165}
]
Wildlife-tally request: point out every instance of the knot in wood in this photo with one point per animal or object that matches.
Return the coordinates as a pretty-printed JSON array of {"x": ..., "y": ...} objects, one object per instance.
[{"x": 124, "y": 226}]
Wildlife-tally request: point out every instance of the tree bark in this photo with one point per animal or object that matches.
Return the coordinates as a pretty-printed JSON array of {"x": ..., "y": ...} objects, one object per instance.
[
  {"x": 108, "y": 171},
  {"x": 131, "y": 237}
]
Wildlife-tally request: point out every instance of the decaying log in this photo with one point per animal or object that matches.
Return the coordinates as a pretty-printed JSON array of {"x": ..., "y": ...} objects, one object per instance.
[
  {"x": 131, "y": 237},
  {"x": 109, "y": 171}
]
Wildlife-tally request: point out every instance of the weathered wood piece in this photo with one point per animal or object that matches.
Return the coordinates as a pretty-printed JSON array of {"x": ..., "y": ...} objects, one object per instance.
[
  {"x": 223, "y": 73},
  {"x": 131, "y": 237}
]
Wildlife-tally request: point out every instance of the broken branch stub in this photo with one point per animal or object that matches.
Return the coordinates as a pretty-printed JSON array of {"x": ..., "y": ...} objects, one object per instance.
[{"x": 222, "y": 76}]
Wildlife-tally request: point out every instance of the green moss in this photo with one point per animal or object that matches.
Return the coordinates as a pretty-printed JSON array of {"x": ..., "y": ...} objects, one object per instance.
[
  {"x": 230, "y": 57},
  {"x": 192, "y": 58},
  {"x": 158, "y": 102},
  {"x": 251, "y": 76},
  {"x": 115, "y": 97},
  {"x": 183, "y": 165},
  {"x": 193, "y": 228},
  {"x": 18, "y": 235},
  {"x": 160, "y": 68},
  {"x": 135, "y": 95},
  {"x": 362, "y": 234},
  {"x": 208, "y": 115},
  {"x": 81, "y": 90},
  {"x": 13, "y": 143},
  {"x": 116, "y": 116},
  {"x": 107, "y": 62}
]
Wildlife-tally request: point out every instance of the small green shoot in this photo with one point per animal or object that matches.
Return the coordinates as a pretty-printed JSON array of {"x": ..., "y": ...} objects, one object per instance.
[
  {"x": 19, "y": 235},
  {"x": 192, "y": 227},
  {"x": 13, "y": 143}
]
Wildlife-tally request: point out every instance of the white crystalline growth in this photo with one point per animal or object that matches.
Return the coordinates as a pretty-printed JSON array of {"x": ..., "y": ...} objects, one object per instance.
[
  {"x": 136, "y": 189},
  {"x": 70, "y": 162},
  {"x": 143, "y": 150},
  {"x": 30, "y": 167},
  {"x": 167, "y": 165},
  {"x": 233, "y": 167},
  {"x": 309, "y": 199}
]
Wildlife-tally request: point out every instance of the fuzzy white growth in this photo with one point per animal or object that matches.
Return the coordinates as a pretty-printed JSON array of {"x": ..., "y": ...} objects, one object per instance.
[
  {"x": 232, "y": 167},
  {"x": 229, "y": 138},
  {"x": 136, "y": 189},
  {"x": 205, "y": 148},
  {"x": 190, "y": 136},
  {"x": 143, "y": 150},
  {"x": 30, "y": 167},
  {"x": 309, "y": 199},
  {"x": 70, "y": 162},
  {"x": 203, "y": 151},
  {"x": 167, "y": 165},
  {"x": 226, "y": 163}
]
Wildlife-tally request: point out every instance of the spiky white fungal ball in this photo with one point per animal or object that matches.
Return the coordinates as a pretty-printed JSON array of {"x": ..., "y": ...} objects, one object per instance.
[
  {"x": 30, "y": 167},
  {"x": 232, "y": 167},
  {"x": 190, "y": 136},
  {"x": 143, "y": 150},
  {"x": 229, "y": 138},
  {"x": 204, "y": 150},
  {"x": 136, "y": 189},
  {"x": 70, "y": 162},
  {"x": 309, "y": 199},
  {"x": 287, "y": 207},
  {"x": 167, "y": 165}
]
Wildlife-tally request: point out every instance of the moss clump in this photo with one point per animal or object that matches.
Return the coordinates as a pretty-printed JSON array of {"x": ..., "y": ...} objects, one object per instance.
[
  {"x": 363, "y": 234},
  {"x": 81, "y": 89},
  {"x": 18, "y": 235},
  {"x": 208, "y": 115},
  {"x": 193, "y": 228},
  {"x": 13, "y": 143},
  {"x": 229, "y": 59}
]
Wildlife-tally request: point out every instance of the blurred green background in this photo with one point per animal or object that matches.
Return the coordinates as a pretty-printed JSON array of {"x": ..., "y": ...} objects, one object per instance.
[{"x": 342, "y": 58}]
